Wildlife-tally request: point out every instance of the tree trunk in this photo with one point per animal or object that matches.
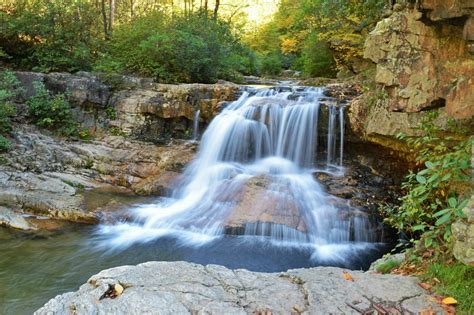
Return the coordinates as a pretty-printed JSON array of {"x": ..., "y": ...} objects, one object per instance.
[
  {"x": 104, "y": 19},
  {"x": 132, "y": 13},
  {"x": 216, "y": 9},
  {"x": 111, "y": 16}
]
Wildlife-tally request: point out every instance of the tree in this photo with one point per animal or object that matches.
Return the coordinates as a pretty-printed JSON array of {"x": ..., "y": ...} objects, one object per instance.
[
  {"x": 111, "y": 16},
  {"x": 216, "y": 9}
]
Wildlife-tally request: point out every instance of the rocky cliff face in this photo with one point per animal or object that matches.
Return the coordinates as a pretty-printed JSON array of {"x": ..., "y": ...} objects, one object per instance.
[
  {"x": 48, "y": 176},
  {"x": 424, "y": 58},
  {"x": 423, "y": 52},
  {"x": 135, "y": 106}
]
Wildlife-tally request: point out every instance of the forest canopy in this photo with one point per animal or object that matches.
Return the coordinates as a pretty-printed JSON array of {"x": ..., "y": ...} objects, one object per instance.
[{"x": 187, "y": 40}]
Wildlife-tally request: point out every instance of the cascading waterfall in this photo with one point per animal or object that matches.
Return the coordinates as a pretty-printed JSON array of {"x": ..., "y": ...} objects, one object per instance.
[{"x": 253, "y": 173}]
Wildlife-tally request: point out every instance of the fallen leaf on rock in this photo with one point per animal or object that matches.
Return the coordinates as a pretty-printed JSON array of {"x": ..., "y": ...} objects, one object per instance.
[
  {"x": 427, "y": 311},
  {"x": 113, "y": 291},
  {"x": 449, "y": 300},
  {"x": 347, "y": 276},
  {"x": 118, "y": 289},
  {"x": 425, "y": 286}
]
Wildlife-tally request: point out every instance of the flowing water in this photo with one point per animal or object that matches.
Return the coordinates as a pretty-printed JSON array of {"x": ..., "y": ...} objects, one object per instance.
[
  {"x": 196, "y": 125},
  {"x": 269, "y": 135},
  {"x": 249, "y": 200}
]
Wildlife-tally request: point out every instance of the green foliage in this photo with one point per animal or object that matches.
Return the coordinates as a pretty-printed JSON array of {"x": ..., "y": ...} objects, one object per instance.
[
  {"x": 456, "y": 280},
  {"x": 59, "y": 35},
  {"x": 51, "y": 111},
  {"x": 191, "y": 48},
  {"x": 9, "y": 89},
  {"x": 271, "y": 64},
  {"x": 116, "y": 131},
  {"x": 317, "y": 58},
  {"x": 388, "y": 266},
  {"x": 5, "y": 144},
  {"x": 432, "y": 200},
  {"x": 323, "y": 35}
]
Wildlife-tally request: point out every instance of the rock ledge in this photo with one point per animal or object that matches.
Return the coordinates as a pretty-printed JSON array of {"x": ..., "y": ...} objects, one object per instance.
[{"x": 186, "y": 288}]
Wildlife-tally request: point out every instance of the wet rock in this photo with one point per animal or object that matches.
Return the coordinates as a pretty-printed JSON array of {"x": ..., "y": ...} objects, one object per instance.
[
  {"x": 167, "y": 109},
  {"x": 49, "y": 176},
  {"x": 161, "y": 184},
  {"x": 14, "y": 220},
  {"x": 186, "y": 288},
  {"x": 257, "y": 203}
]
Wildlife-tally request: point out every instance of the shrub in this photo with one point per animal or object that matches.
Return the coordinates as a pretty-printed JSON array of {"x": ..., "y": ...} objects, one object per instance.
[
  {"x": 191, "y": 48},
  {"x": 271, "y": 64},
  {"x": 50, "y": 35},
  {"x": 9, "y": 89},
  {"x": 5, "y": 144},
  {"x": 52, "y": 112},
  {"x": 433, "y": 199},
  {"x": 317, "y": 58}
]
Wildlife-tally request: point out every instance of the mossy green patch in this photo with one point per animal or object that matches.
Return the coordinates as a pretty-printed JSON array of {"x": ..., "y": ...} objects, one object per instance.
[{"x": 456, "y": 280}]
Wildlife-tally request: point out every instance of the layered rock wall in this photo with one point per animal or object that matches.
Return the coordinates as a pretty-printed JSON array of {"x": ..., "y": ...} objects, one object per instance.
[
  {"x": 424, "y": 61},
  {"x": 134, "y": 106}
]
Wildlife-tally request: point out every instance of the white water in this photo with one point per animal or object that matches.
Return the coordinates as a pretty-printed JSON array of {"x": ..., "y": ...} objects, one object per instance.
[
  {"x": 196, "y": 125},
  {"x": 272, "y": 137}
]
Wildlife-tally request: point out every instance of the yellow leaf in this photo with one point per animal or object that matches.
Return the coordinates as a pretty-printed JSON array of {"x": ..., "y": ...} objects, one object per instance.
[
  {"x": 118, "y": 289},
  {"x": 449, "y": 300},
  {"x": 347, "y": 276}
]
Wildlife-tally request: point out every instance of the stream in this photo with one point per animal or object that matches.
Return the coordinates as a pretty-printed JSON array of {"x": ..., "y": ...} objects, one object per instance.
[{"x": 250, "y": 200}]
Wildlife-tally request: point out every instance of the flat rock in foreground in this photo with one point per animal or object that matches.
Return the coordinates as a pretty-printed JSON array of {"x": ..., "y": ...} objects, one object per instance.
[{"x": 186, "y": 288}]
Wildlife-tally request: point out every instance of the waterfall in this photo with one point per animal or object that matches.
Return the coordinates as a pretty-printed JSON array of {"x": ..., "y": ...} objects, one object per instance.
[
  {"x": 333, "y": 113},
  {"x": 341, "y": 135},
  {"x": 331, "y": 142},
  {"x": 196, "y": 125},
  {"x": 254, "y": 174}
]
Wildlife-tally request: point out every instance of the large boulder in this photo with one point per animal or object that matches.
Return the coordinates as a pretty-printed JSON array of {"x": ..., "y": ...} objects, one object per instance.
[
  {"x": 82, "y": 88},
  {"x": 256, "y": 203},
  {"x": 14, "y": 220},
  {"x": 185, "y": 288}
]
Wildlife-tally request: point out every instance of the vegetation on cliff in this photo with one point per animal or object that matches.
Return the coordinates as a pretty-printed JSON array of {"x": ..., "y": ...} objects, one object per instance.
[{"x": 435, "y": 194}]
